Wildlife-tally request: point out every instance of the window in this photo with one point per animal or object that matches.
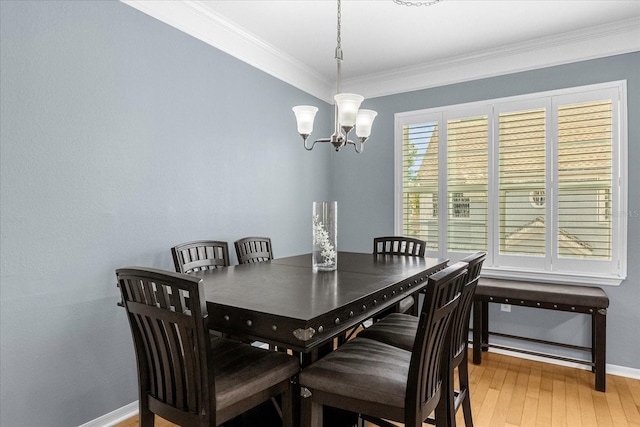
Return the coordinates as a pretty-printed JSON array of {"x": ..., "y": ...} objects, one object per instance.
[{"x": 536, "y": 181}]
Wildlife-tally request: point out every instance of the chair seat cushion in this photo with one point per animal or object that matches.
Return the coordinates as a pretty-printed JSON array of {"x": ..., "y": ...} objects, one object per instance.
[
  {"x": 362, "y": 367},
  {"x": 242, "y": 370},
  {"x": 396, "y": 329}
]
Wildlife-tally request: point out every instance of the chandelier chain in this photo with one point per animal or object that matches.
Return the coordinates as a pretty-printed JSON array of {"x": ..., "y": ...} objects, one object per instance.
[
  {"x": 416, "y": 3},
  {"x": 339, "y": 56},
  {"x": 339, "y": 26}
]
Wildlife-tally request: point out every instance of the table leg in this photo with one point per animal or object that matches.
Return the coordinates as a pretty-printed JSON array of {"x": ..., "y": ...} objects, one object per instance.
[{"x": 306, "y": 359}]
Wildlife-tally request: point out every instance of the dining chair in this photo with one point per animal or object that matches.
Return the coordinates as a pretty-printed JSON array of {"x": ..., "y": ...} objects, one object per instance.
[
  {"x": 399, "y": 330},
  {"x": 184, "y": 375},
  {"x": 200, "y": 255},
  {"x": 382, "y": 382},
  {"x": 399, "y": 245},
  {"x": 405, "y": 246},
  {"x": 250, "y": 250},
  {"x": 253, "y": 249}
]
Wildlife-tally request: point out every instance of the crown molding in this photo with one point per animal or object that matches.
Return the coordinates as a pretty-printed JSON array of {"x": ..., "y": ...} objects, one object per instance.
[
  {"x": 596, "y": 42},
  {"x": 191, "y": 17}
]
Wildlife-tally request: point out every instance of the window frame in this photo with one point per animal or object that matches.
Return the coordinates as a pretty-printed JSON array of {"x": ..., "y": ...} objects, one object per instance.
[{"x": 552, "y": 268}]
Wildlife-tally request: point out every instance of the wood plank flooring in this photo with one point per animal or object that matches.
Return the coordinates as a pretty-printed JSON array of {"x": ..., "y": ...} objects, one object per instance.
[{"x": 513, "y": 392}]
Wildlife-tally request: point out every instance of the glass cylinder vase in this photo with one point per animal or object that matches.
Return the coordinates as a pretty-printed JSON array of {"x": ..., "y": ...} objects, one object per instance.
[{"x": 325, "y": 236}]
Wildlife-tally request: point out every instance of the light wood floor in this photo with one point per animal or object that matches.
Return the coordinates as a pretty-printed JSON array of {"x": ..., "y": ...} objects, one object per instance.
[{"x": 508, "y": 391}]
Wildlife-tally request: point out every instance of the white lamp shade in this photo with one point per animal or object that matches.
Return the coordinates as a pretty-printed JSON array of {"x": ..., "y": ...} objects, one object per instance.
[
  {"x": 364, "y": 121},
  {"x": 305, "y": 114},
  {"x": 348, "y": 104}
]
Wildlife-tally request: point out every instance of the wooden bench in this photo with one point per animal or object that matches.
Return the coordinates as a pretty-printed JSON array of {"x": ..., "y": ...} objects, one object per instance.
[{"x": 575, "y": 299}]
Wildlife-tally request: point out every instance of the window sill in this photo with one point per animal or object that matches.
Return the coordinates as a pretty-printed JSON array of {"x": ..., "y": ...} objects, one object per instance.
[{"x": 550, "y": 277}]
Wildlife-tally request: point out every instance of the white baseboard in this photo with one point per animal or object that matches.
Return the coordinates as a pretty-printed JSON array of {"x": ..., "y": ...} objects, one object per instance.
[
  {"x": 621, "y": 371},
  {"x": 131, "y": 409},
  {"x": 114, "y": 417}
]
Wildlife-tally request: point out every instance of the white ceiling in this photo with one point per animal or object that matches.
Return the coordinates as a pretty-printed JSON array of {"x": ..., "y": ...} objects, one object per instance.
[{"x": 389, "y": 48}]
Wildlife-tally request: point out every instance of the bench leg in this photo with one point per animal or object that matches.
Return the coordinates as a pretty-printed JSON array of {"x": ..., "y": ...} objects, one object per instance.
[
  {"x": 479, "y": 325},
  {"x": 485, "y": 326},
  {"x": 599, "y": 347}
]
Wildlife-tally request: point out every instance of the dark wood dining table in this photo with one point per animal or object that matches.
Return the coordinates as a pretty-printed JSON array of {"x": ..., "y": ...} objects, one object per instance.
[{"x": 285, "y": 303}]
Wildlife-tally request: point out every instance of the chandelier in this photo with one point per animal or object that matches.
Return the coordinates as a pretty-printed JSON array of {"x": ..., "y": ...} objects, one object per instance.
[{"x": 347, "y": 113}]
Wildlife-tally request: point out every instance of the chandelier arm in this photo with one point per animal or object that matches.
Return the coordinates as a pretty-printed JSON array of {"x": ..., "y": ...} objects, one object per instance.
[
  {"x": 355, "y": 145},
  {"x": 305, "y": 144}
]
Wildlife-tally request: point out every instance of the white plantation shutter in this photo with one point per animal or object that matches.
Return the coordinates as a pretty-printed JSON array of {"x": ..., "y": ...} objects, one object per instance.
[
  {"x": 585, "y": 180},
  {"x": 522, "y": 183},
  {"x": 538, "y": 181},
  {"x": 420, "y": 182},
  {"x": 467, "y": 179}
]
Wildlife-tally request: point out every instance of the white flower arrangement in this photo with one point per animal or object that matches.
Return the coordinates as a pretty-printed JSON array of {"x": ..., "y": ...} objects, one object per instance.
[{"x": 321, "y": 239}]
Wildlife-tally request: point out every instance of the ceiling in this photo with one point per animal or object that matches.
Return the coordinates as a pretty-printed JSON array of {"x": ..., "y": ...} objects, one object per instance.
[{"x": 390, "y": 48}]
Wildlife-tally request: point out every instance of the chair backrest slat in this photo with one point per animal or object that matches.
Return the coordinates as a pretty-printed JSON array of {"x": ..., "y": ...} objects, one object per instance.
[
  {"x": 191, "y": 371},
  {"x": 399, "y": 245}
]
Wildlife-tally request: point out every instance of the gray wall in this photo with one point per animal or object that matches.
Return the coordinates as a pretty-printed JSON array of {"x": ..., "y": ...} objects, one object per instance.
[
  {"x": 366, "y": 202},
  {"x": 120, "y": 137}
]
